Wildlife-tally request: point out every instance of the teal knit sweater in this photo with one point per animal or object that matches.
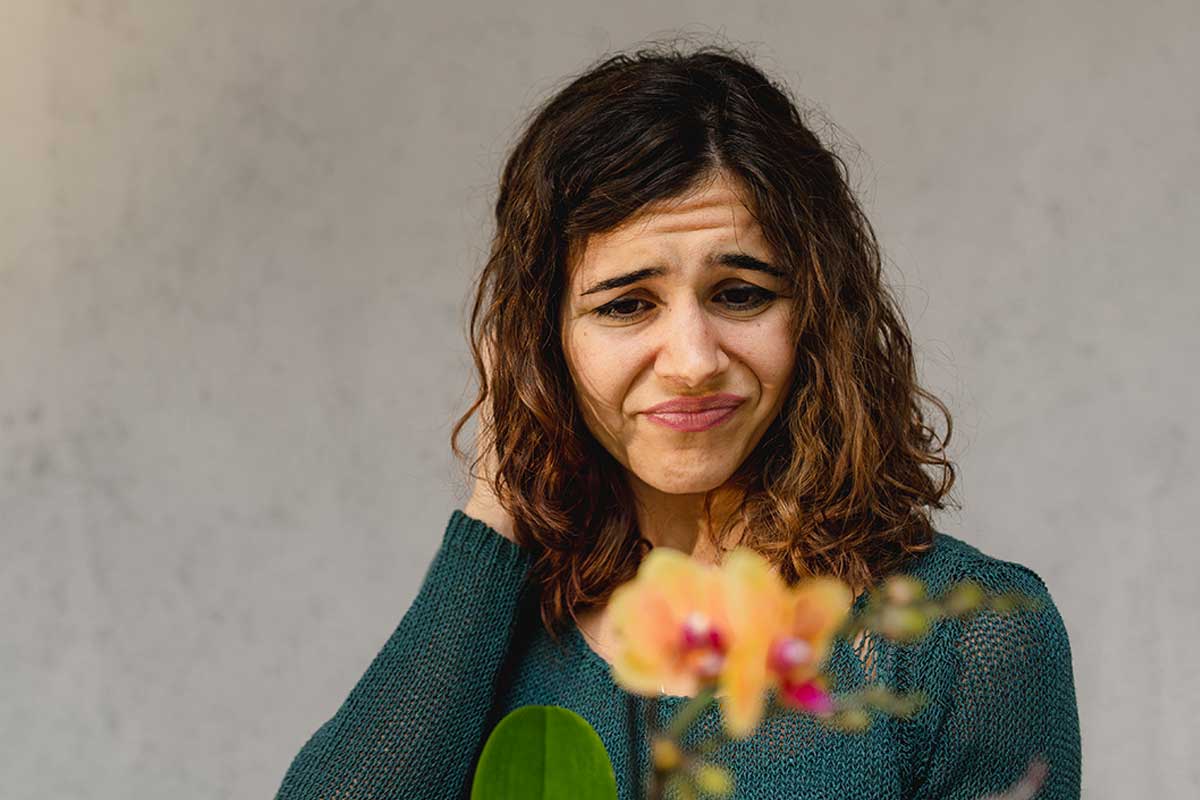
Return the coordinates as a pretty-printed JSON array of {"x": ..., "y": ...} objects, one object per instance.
[{"x": 471, "y": 648}]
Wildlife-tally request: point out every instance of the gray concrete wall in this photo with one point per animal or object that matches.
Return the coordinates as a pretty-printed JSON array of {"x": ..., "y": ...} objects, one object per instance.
[{"x": 236, "y": 238}]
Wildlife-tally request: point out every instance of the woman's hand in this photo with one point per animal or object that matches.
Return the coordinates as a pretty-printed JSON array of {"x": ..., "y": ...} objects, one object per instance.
[{"x": 483, "y": 504}]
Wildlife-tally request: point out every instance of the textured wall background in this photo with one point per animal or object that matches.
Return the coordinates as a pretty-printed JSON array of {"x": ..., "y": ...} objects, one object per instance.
[{"x": 236, "y": 238}]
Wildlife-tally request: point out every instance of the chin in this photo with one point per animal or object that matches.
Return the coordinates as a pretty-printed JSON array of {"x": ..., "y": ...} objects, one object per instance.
[{"x": 686, "y": 478}]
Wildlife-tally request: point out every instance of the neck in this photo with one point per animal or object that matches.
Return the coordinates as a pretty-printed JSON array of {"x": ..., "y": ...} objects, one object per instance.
[{"x": 679, "y": 521}]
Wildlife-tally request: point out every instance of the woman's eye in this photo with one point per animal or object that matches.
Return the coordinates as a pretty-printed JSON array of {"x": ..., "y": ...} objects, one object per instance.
[
  {"x": 737, "y": 298},
  {"x": 744, "y": 298},
  {"x": 619, "y": 309}
]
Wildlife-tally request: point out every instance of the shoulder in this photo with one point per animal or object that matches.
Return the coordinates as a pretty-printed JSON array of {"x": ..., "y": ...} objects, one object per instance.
[
  {"x": 1000, "y": 685},
  {"x": 951, "y": 560},
  {"x": 1027, "y": 639}
]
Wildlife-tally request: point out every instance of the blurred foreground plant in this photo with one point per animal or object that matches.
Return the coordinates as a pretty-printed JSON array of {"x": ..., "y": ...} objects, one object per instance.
[{"x": 738, "y": 634}]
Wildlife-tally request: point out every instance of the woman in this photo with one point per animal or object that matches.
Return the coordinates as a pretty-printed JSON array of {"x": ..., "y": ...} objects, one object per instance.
[{"x": 684, "y": 339}]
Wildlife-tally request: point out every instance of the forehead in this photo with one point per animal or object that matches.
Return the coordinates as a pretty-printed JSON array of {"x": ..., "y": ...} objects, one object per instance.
[{"x": 715, "y": 214}]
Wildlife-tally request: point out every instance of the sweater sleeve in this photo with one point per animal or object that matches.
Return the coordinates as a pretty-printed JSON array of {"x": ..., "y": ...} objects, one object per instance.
[
  {"x": 413, "y": 722},
  {"x": 1011, "y": 698}
]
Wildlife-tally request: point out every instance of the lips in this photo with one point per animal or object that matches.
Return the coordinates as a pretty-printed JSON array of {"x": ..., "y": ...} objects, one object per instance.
[
  {"x": 693, "y": 414},
  {"x": 692, "y": 405}
]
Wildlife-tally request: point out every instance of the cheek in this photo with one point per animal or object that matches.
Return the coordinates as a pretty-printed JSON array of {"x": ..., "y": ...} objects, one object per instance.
[
  {"x": 599, "y": 373},
  {"x": 781, "y": 362},
  {"x": 770, "y": 354}
]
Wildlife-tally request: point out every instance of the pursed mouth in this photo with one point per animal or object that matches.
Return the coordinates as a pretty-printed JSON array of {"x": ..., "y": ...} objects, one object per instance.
[
  {"x": 692, "y": 405},
  {"x": 693, "y": 421}
]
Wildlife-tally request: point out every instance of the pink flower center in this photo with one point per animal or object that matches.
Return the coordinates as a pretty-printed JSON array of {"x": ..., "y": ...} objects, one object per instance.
[
  {"x": 698, "y": 632},
  {"x": 808, "y": 697},
  {"x": 787, "y": 653},
  {"x": 703, "y": 646}
]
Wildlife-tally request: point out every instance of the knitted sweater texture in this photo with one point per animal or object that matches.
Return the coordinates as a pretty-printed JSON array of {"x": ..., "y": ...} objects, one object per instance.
[{"x": 471, "y": 648}]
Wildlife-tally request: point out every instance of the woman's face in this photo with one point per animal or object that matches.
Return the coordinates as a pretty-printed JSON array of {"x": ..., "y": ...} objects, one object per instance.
[{"x": 655, "y": 311}]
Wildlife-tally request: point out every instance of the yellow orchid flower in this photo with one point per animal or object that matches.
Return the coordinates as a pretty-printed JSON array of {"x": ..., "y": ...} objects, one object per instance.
[
  {"x": 779, "y": 638},
  {"x": 819, "y": 606},
  {"x": 738, "y": 628},
  {"x": 759, "y": 607},
  {"x": 669, "y": 623}
]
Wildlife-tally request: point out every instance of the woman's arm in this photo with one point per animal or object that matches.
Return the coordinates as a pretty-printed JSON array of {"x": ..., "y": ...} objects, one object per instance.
[
  {"x": 1011, "y": 697},
  {"x": 414, "y": 721}
]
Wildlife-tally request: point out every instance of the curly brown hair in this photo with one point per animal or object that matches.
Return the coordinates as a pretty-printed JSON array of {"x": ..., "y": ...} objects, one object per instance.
[{"x": 836, "y": 485}]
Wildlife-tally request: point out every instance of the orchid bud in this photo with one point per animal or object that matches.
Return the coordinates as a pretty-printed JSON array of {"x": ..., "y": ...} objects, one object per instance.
[
  {"x": 714, "y": 780},
  {"x": 1004, "y": 603},
  {"x": 963, "y": 599},
  {"x": 666, "y": 755},
  {"x": 903, "y": 590},
  {"x": 851, "y": 720},
  {"x": 903, "y": 624}
]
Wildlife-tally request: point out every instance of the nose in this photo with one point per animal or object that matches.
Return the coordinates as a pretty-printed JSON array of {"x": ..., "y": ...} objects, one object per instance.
[{"x": 690, "y": 355}]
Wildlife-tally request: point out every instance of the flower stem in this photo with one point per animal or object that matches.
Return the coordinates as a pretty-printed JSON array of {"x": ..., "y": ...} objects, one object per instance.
[
  {"x": 691, "y": 712},
  {"x": 658, "y": 779}
]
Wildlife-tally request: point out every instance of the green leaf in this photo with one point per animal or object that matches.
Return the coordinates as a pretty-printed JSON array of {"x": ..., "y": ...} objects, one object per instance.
[{"x": 540, "y": 752}]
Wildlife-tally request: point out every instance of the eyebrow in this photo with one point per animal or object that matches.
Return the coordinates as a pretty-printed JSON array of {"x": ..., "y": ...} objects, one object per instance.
[{"x": 735, "y": 260}]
